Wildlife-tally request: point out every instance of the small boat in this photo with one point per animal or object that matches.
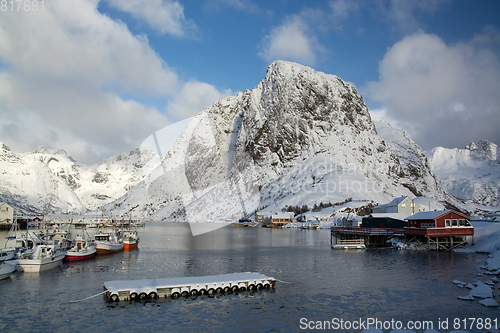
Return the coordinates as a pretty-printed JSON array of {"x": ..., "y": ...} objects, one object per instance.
[
  {"x": 44, "y": 257},
  {"x": 7, "y": 255},
  {"x": 6, "y": 269},
  {"x": 82, "y": 249},
  {"x": 108, "y": 242},
  {"x": 130, "y": 240}
]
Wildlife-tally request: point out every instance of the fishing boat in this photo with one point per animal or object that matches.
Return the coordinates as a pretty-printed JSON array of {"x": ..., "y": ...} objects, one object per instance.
[
  {"x": 108, "y": 242},
  {"x": 130, "y": 240},
  {"x": 44, "y": 257},
  {"x": 82, "y": 249},
  {"x": 6, "y": 269}
]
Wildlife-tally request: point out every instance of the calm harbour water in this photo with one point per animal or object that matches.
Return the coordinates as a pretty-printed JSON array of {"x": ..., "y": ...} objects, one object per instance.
[{"x": 322, "y": 284}]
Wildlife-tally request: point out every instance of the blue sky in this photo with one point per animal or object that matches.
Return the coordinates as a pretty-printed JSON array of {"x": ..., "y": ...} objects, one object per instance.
[{"x": 97, "y": 77}]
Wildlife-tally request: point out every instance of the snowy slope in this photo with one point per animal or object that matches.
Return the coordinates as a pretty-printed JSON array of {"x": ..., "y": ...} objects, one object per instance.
[
  {"x": 472, "y": 174},
  {"x": 46, "y": 181},
  {"x": 300, "y": 137},
  {"x": 28, "y": 184}
]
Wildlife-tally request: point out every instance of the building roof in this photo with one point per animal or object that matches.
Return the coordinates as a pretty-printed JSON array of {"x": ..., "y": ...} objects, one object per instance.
[
  {"x": 395, "y": 216},
  {"x": 396, "y": 201},
  {"x": 432, "y": 215},
  {"x": 281, "y": 216}
]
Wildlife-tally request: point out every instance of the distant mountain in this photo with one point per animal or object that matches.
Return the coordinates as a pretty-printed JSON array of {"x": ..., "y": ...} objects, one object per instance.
[
  {"x": 300, "y": 137},
  {"x": 47, "y": 181},
  {"x": 471, "y": 174}
]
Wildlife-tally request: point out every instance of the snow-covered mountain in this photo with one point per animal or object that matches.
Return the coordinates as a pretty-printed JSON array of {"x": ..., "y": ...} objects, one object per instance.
[
  {"x": 46, "y": 181},
  {"x": 300, "y": 137},
  {"x": 471, "y": 174}
]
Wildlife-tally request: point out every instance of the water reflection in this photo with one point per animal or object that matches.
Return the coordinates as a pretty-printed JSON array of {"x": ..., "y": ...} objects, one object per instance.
[{"x": 320, "y": 283}]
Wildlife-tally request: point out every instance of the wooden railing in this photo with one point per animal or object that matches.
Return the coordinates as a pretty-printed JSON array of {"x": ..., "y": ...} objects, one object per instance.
[
  {"x": 350, "y": 241},
  {"x": 369, "y": 231}
]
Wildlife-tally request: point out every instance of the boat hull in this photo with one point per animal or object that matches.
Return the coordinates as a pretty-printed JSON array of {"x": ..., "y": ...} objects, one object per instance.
[
  {"x": 77, "y": 256},
  {"x": 130, "y": 246},
  {"x": 103, "y": 248},
  {"x": 39, "y": 265},
  {"x": 6, "y": 270}
]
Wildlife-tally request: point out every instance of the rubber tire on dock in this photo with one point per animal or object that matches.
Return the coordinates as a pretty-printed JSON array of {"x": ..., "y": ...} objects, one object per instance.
[
  {"x": 226, "y": 290},
  {"x": 143, "y": 296},
  {"x": 243, "y": 289},
  {"x": 259, "y": 286},
  {"x": 211, "y": 291},
  {"x": 194, "y": 292},
  {"x": 185, "y": 293},
  {"x": 114, "y": 298},
  {"x": 218, "y": 290},
  {"x": 234, "y": 289},
  {"x": 175, "y": 295},
  {"x": 134, "y": 296},
  {"x": 203, "y": 292},
  {"x": 153, "y": 295},
  {"x": 251, "y": 287}
]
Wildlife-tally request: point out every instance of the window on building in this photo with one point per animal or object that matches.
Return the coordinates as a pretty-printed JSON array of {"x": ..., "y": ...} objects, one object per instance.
[
  {"x": 454, "y": 223},
  {"x": 403, "y": 205},
  {"x": 462, "y": 223},
  {"x": 447, "y": 223}
]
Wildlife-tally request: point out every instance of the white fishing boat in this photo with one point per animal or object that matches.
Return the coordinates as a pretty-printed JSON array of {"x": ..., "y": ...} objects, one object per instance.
[
  {"x": 82, "y": 249},
  {"x": 108, "y": 242},
  {"x": 6, "y": 269},
  {"x": 44, "y": 257}
]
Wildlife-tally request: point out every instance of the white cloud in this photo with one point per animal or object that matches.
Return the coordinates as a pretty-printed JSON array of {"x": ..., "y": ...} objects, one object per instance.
[
  {"x": 243, "y": 5},
  {"x": 193, "y": 98},
  {"x": 291, "y": 41},
  {"x": 342, "y": 8},
  {"x": 165, "y": 16},
  {"x": 64, "y": 69},
  {"x": 442, "y": 94},
  {"x": 71, "y": 40}
]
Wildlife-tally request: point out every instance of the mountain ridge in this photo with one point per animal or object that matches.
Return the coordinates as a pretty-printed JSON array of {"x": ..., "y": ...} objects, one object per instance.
[{"x": 299, "y": 137}]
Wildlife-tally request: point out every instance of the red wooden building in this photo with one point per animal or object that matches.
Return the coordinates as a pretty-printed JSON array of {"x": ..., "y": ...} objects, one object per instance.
[{"x": 446, "y": 228}]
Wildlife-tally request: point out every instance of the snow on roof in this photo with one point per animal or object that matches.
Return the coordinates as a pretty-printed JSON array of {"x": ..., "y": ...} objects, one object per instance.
[
  {"x": 281, "y": 216},
  {"x": 396, "y": 201},
  {"x": 396, "y": 216},
  {"x": 427, "y": 215}
]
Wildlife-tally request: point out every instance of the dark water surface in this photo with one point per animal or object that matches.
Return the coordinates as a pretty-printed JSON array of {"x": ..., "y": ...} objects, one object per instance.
[{"x": 322, "y": 284}]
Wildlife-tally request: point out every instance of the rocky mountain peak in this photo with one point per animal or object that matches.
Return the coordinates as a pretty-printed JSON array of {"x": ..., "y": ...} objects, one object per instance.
[{"x": 484, "y": 149}]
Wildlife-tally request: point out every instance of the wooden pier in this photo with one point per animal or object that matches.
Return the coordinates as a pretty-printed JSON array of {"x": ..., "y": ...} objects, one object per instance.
[
  {"x": 370, "y": 236},
  {"x": 124, "y": 290}
]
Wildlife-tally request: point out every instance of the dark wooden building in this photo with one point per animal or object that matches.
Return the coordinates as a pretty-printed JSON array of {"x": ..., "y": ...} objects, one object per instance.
[{"x": 374, "y": 220}]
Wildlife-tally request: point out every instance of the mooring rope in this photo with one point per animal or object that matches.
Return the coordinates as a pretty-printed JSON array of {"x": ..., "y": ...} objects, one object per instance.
[
  {"x": 283, "y": 281},
  {"x": 88, "y": 297}
]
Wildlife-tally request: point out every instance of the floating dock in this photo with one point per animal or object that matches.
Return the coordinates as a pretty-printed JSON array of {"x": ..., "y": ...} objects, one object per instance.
[{"x": 124, "y": 290}]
